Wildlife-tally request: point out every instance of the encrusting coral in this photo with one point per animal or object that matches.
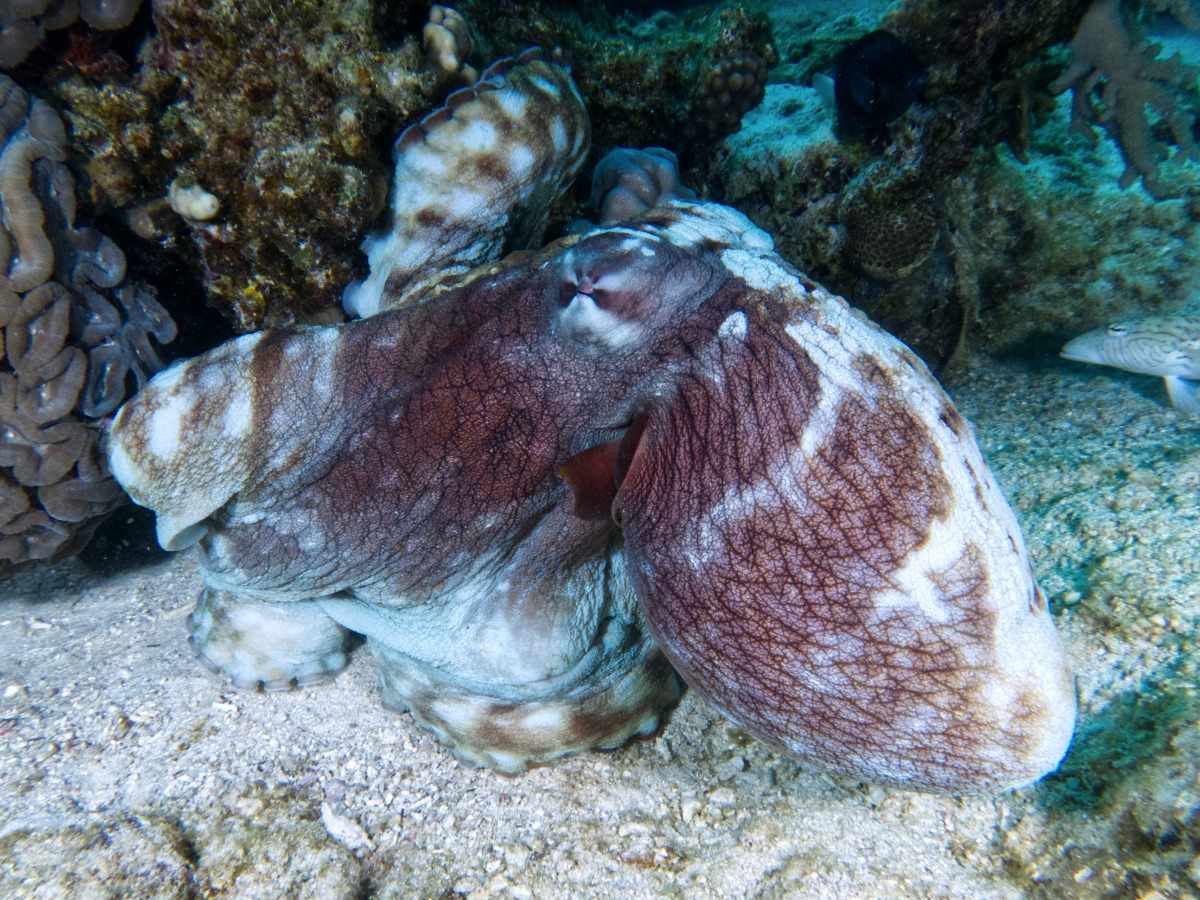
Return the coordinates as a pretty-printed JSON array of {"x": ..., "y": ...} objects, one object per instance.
[
  {"x": 646, "y": 82},
  {"x": 73, "y": 329},
  {"x": 276, "y": 116}
]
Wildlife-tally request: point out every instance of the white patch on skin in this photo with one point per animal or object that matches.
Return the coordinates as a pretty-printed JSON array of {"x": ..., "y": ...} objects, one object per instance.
[
  {"x": 740, "y": 503},
  {"x": 912, "y": 585},
  {"x": 734, "y": 327},
  {"x": 169, "y": 378},
  {"x": 833, "y": 350},
  {"x": 761, "y": 274},
  {"x": 820, "y": 425},
  {"x": 239, "y": 417},
  {"x": 165, "y": 424},
  {"x": 412, "y": 195},
  {"x": 457, "y": 714},
  {"x": 210, "y": 379},
  {"x": 245, "y": 344},
  {"x": 696, "y": 222},
  {"x": 558, "y": 134},
  {"x": 583, "y": 317},
  {"x": 467, "y": 204},
  {"x": 512, "y": 103},
  {"x": 546, "y": 85},
  {"x": 999, "y": 694},
  {"x": 547, "y": 716},
  {"x": 423, "y": 160},
  {"x": 479, "y": 134},
  {"x": 521, "y": 160}
]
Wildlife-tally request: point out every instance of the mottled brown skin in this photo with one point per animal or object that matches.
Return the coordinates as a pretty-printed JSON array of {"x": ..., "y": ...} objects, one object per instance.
[
  {"x": 809, "y": 531},
  {"x": 438, "y": 413},
  {"x": 789, "y": 582}
]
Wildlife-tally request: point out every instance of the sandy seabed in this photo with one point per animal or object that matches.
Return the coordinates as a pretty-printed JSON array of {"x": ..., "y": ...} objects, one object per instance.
[{"x": 128, "y": 770}]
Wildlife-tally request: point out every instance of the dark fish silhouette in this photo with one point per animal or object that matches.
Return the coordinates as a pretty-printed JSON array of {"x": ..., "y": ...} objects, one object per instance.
[{"x": 875, "y": 80}]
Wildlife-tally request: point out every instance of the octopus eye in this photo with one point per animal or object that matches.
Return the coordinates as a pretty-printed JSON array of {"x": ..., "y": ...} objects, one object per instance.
[{"x": 1117, "y": 330}]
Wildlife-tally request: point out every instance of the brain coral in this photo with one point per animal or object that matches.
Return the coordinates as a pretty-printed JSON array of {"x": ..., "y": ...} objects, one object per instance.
[
  {"x": 23, "y": 22},
  {"x": 73, "y": 329}
]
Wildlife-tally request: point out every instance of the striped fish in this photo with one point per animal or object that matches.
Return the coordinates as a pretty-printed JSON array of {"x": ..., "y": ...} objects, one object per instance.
[{"x": 1168, "y": 346}]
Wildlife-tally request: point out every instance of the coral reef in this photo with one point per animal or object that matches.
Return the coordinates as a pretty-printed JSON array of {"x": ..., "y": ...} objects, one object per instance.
[
  {"x": 73, "y": 330},
  {"x": 991, "y": 68},
  {"x": 645, "y": 82},
  {"x": 280, "y": 119},
  {"x": 275, "y": 117},
  {"x": 23, "y": 22},
  {"x": 1131, "y": 79}
]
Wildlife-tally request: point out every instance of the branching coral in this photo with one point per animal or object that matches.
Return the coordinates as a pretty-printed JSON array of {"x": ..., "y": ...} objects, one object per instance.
[
  {"x": 73, "y": 330},
  {"x": 1021, "y": 102},
  {"x": 1131, "y": 78}
]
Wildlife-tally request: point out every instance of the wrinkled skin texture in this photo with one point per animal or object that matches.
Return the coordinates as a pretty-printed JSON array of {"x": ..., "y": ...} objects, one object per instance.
[{"x": 655, "y": 442}]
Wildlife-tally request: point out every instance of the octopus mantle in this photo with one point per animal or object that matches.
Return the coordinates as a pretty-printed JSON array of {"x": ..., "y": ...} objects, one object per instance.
[{"x": 547, "y": 488}]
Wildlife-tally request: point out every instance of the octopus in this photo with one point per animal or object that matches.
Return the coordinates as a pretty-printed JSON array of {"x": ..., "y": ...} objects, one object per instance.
[{"x": 551, "y": 486}]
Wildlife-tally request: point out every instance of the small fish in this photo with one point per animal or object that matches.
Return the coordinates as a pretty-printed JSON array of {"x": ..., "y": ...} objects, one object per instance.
[{"x": 1156, "y": 345}]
